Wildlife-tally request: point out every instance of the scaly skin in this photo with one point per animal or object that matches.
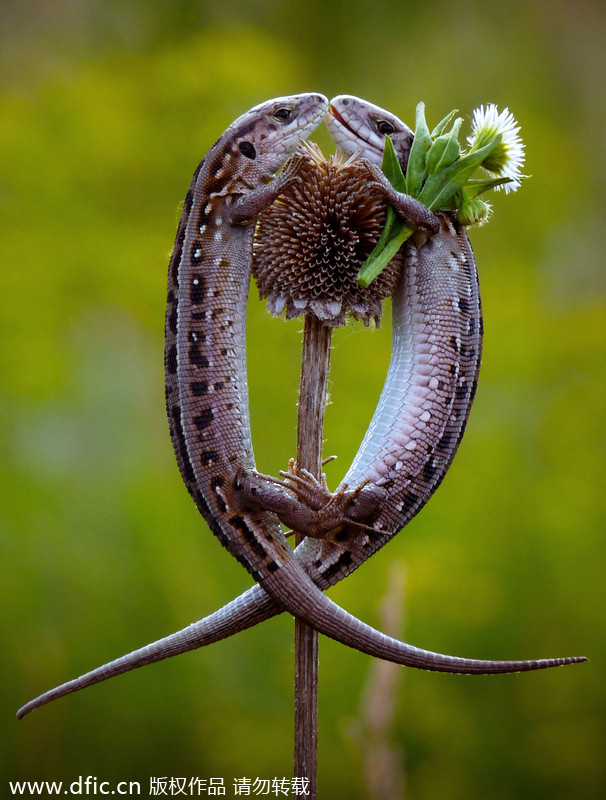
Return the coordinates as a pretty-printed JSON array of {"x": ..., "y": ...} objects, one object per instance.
[
  {"x": 207, "y": 398},
  {"x": 410, "y": 443},
  {"x": 436, "y": 352}
]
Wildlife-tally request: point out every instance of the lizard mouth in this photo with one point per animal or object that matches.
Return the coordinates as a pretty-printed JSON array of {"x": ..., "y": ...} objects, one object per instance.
[
  {"x": 332, "y": 111},
  {"x": 347, "y": 130},
  {"x": 335, "y": 114}
]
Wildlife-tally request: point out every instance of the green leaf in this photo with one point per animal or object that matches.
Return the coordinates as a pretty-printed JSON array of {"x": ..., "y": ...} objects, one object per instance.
[
  {"x": 415, "y": 172},
  {"x": 391, "y": 239},
  {"x": 384, "y": 252},
  {"x": 478, "y": 186},
  {"x": 391, "y": 166},
  {"x": 439, "y": 189},
  {"x": 445, "y": 149},
  {"x": 443, "y": 124},
  {"x": 390, "y": 220}
]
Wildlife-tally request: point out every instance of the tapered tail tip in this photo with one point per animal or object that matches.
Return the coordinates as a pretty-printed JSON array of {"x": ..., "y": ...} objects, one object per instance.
[
  {"x": 547, "y": 663},
  {"x": 485, "y": 668},
  {"x": 31, "y": 706}
]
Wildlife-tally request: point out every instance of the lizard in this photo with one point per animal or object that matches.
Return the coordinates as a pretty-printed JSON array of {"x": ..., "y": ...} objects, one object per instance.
[
  {"x": 205, "y": 359},
  {"x": 405, "y": 476}
]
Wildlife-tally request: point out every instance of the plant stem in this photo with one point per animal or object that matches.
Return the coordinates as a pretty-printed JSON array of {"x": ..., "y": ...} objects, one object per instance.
[{"x": 315, "y": 362}]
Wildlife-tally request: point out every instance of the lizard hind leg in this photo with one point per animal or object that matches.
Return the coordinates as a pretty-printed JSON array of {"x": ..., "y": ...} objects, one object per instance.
[
  {"x": 305, "y": 504},
  {"x": 356, "y": 506}
]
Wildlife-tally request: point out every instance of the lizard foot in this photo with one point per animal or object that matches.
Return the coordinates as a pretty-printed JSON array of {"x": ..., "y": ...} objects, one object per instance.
[{"x": 304, "y": 502}]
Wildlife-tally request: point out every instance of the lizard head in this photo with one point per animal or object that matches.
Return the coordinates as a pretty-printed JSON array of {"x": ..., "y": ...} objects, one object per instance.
[
  {"x": 358, "y": 126},
  {"x": 266, "y": 136}
]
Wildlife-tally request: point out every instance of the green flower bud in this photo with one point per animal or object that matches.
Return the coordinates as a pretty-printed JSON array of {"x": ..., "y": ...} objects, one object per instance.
[{"x": 472, "y": 211}]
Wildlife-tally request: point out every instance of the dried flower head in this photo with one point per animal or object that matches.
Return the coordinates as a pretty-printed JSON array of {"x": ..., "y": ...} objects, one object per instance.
[{"x": 311, "y": 243}]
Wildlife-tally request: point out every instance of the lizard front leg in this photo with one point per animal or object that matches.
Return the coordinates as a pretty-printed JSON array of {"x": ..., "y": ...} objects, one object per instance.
[
  {"x": 407, "y": 207},
  {"x": 248, "y": 207}
]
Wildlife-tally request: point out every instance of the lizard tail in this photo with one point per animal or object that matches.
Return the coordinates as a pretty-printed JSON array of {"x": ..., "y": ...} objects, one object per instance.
[
  {"x": 305, "y": 600},
  {"x": 257, "y": 605},
  {"x": 247, "y": 610}
]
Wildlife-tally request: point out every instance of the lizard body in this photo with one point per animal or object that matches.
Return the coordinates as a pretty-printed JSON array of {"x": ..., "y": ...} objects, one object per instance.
[
  {"x": 432, "y": 377},
  {"x": 410, "y": 443},
  {"x": 205, "y": 356}
]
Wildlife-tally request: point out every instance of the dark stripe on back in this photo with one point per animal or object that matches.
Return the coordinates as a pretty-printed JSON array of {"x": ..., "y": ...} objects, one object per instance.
[{"x": 240, "y": 523}]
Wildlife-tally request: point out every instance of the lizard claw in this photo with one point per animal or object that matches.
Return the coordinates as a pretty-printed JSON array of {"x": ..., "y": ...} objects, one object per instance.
[{"x": 308, "y": 489}]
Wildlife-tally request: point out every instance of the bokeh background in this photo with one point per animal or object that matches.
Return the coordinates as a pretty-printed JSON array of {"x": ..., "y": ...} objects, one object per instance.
[{"x": 106, "y": 109}]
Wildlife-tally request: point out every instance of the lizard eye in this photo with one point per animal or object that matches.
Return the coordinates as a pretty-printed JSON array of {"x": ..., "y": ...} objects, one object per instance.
[
  {"x": 385, "y": 127},
  {"x": 247, "y": 149},
  {"x": 283, "y": 113}
]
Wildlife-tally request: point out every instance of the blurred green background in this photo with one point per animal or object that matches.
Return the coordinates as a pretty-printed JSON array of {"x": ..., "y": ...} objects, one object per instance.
[{"x": 106, "y": 109}]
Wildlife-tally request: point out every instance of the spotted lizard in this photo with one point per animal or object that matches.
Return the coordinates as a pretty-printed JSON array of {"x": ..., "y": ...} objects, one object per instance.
[{"x": 410, "y": 443}]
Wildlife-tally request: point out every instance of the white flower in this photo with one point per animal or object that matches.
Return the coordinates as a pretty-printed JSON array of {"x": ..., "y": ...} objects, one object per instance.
[{"x": 507, "y": 159}]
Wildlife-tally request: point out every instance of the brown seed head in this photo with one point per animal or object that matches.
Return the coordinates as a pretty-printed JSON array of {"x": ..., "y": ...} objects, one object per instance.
[{"x": 311, "y": 243}]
